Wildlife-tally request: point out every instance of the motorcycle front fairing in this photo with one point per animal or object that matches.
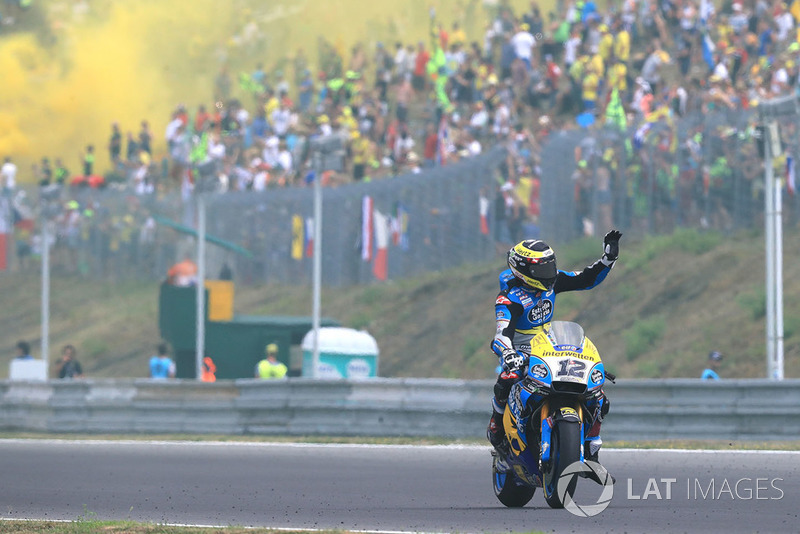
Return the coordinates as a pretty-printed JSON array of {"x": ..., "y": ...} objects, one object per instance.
[{"x": 564, "y": 367}]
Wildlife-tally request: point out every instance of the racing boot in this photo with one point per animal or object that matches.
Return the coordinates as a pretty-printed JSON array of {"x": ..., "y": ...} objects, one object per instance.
[
  {"x": 495, "y": 432},
  {"x": 591, "y": 453}
]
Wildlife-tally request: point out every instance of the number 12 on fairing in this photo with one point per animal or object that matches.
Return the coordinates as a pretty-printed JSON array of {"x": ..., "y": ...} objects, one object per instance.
[{"x": 574, "y": 368}]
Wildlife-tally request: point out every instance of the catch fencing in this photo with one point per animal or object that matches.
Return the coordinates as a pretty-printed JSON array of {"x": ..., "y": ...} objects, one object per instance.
[
  {"x": 702, "y": 170},
  {"x": 425, "y": 222},
  {"x": 413, "y": 407}
]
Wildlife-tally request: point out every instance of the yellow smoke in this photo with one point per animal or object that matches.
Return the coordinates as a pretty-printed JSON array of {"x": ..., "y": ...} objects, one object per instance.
[{"x": 131, "y": 60}]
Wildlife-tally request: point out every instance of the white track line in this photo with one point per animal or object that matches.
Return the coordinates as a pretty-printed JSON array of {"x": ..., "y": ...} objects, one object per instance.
[
  {"x": 298, "y": 445},
  {"x": 222, "y": 527}
]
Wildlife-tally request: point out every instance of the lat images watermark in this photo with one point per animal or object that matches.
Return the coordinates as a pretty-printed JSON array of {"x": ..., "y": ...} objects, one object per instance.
[
  {"x": 666, "y": 489},
  {"x": 744, "y": 489}
]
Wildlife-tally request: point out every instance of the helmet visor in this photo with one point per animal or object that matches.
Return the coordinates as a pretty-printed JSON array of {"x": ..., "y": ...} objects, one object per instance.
[{"x": 544, "y": 272}]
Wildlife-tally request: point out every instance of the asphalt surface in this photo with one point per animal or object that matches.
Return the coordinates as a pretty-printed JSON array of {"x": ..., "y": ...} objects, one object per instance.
[{"x": 385, "y": 488}]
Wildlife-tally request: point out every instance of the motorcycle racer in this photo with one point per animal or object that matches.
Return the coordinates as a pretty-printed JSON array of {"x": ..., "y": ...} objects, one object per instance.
[{"x": 524, "y": 306}]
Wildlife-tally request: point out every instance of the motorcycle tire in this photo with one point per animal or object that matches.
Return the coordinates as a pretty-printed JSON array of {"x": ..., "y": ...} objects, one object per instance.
[
  {"x": 566, "y": 449},
  {"x": 507, "y": 489}
]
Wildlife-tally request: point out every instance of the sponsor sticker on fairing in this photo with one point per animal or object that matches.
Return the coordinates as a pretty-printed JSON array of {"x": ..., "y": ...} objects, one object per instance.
[
  {"x": 538, "y": 371},
  {"x": 597, "y": 376}
]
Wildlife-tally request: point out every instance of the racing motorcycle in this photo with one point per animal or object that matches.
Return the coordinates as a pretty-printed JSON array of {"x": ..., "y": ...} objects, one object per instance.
[{"x": 546, "y": 417}]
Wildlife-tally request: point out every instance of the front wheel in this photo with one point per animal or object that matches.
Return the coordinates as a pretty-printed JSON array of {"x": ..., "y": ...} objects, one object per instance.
[
  {"x": 507, "y": 490},
  {"x": 565, "y": 450}
]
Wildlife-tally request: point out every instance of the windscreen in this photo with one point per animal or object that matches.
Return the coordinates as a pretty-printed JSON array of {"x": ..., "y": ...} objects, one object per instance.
[{"x": 565, "y": 333}]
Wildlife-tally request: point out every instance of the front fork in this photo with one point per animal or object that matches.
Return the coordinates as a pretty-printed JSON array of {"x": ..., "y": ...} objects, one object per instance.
[{"x": 572, "y": 412}]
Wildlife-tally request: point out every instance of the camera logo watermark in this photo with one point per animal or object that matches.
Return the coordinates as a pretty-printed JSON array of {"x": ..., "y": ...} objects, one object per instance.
[{"x": 598, "y": 472}]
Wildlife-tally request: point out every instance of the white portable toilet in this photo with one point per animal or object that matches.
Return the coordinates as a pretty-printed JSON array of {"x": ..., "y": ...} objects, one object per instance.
[{"x": 343, "y": 353}]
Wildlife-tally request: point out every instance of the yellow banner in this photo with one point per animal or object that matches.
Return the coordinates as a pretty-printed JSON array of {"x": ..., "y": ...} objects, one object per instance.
[{"x": 297, "y": 237}]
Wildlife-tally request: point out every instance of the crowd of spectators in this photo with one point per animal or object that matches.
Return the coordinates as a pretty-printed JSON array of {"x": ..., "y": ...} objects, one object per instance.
[{"x": 406, "y": 106}]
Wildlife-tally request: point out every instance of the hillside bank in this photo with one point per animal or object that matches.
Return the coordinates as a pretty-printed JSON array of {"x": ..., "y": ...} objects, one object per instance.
[{"x": 667, "y": 303}]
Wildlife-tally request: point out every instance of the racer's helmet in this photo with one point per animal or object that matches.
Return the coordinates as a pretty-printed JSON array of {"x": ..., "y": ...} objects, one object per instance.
[{"x": 533, "y": 262}]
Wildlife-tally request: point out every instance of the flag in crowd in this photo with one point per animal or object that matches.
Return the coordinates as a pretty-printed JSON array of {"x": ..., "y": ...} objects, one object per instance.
[
  {"x": 790, "y": 170},
  {"x": 366, "y": 228},
  {"x": 309, "y": 237},
  {"x": 708, "y": 51},
  {"x": 297, "y": 237},
  {"x": 399, "y": 226},
  {"x": 483, "y": 208},
  {"x": 380, "y": 267},
  {"x": 5, "y": 230}
]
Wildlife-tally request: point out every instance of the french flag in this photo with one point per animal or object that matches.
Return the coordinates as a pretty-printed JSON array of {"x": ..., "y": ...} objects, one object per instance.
[
  {"x": 483, "y": 204},
  {"x": 380, "y": 268},
  {"x": 790, "y": 185},
  {"x": 366, "y": 228},
  {"x": 309, "y": 237}
]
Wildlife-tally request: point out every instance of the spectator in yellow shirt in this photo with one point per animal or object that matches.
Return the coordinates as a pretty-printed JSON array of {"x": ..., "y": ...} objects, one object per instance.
[
  {"x": 618, "y": 79},
  {"x": 598, "y": 64},
  {"x": 622, "y": 43},
  {"x": 271, "y": 105},
  {"x": 362, "y": 156},
  {"x": 457, "y": 35},
  {"x": 606, "y": 46},
  {"x": 591, "y": 83}
]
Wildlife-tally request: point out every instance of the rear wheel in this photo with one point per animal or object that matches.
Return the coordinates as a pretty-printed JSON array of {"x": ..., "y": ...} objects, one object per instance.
[
  {"x": 565, "y": 450},
  {"x": 507, "y": 490}
]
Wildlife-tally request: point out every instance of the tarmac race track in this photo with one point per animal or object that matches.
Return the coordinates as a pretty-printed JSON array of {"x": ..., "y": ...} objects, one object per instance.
[{"x": 385, "y": 488}]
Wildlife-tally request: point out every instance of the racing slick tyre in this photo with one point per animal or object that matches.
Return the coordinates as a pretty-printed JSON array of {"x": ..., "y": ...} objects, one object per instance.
[
  {"x": 508, "y": 490},
  {"x": 566, "y": 449}
]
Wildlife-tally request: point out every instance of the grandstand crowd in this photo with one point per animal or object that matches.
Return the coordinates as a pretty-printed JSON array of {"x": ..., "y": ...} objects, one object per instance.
[{"x": 401, "y": 107}]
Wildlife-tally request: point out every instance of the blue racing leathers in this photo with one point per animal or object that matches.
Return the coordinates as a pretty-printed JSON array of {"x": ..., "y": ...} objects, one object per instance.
[{"x": 521, "y": 313}]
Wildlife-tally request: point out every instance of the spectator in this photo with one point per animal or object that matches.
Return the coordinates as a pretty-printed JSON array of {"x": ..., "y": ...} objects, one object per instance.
[
  {"x": 431, "y": 145},
  {"x": 183, "y": 274},
  {"x": 61, "y": 172},
  {"x": 710, "y": 372},
  {"x": 45, "y": 173},
  {"x": 161, "y": 365},
  {"x": 420, "y": 63},
  {"x": 88, "y": 161},
  {"x": 208, "y": 370},
  {"x": 132, "y": 152},
  {"x": 115, "y": 144},
  {"x": 145, "y": 138},
  {"x": 523, "y": 43},
  {"x": 23, "y": 351},
  {"x": 8, "y": 174},
  {"x": 270, "y": 367},
  {"x": 69, "y": 367},
  {"x": 306, "y": 92}
]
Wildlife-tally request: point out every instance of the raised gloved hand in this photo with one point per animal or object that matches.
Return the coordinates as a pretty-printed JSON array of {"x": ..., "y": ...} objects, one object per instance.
[
  {"x": 511, "y": 360},
  {"x": 611, "y": 246}
]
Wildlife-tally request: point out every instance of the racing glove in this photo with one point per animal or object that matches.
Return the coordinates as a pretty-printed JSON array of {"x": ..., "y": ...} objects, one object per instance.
[
  {"x": 511, "y": 360},
  {"x": 611, "y": 247}
]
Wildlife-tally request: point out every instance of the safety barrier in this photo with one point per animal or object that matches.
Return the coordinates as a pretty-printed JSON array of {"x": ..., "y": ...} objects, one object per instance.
[{"x": 640, "y": 409}]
